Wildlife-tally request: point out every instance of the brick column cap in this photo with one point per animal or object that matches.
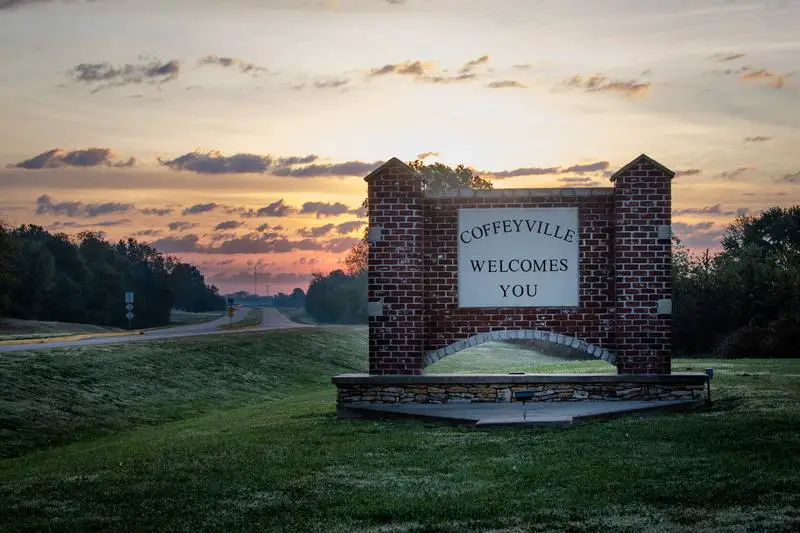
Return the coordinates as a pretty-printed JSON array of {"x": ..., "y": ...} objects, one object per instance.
[
  {"x": 644, "y": 158},
  {"x": 393, "y": 164}
]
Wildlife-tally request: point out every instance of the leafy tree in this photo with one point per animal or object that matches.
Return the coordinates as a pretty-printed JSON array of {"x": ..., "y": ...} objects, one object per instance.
[
  {"x": 8, "y": 280},
  {"x": 337, "y": 297}
]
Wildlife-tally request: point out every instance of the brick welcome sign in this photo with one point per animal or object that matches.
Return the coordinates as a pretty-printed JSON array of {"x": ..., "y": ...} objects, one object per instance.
[{"x": 585, "y": 267}]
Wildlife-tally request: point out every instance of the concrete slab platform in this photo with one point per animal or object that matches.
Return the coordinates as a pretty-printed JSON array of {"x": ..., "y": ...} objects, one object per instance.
[{"x": 514, "y": 414}]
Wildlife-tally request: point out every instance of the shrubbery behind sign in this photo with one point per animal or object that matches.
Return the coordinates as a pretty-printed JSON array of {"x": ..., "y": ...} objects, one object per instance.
[{"x": 518, "y": 257}]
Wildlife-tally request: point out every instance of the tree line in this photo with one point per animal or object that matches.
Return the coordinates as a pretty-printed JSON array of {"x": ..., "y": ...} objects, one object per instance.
[
  {"x": 743, "y": 301},
  {"x": 53, "y": 276}
]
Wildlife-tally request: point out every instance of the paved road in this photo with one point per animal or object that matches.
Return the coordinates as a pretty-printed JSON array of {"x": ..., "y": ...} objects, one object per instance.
[{"x": 270, "y": 319}]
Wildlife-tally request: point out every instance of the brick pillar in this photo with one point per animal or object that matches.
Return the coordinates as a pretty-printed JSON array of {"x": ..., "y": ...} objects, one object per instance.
[
  {"x": 642, "y": 255},
  {"x": 395, "y": 280}
]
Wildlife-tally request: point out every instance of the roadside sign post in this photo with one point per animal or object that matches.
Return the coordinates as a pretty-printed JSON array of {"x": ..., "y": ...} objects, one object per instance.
[
  {"x": 129, "y": 307},
  {"x": 230, "y": 310}
]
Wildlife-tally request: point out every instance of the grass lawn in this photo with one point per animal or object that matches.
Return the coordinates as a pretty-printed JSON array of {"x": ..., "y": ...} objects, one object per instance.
[
  {"x": 297, "y": 314},
  {"x": 14, "y": 329},
  {"x": 186, "y": 318},
  {"x": 236, "y": 433}
]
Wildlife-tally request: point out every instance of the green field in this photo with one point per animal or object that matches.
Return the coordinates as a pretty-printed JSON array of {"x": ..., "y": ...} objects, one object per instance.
[
  {"x": 184, "y": 318},
  {"x": 297, "y": 314},
  {"x": 237, "y": 433},
  {"x": 14, "y": 329}
]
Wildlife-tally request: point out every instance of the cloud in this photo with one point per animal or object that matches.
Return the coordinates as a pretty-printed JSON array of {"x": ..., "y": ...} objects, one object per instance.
[
  {"x": 76, "y": 225},
  {"x": 425, "y": 155},
  {"x": 348, "y": 227},
  {"x": 255, "y": 243},
  {"x": 213, "y": 162},
  {"x": 181, "y": 225},
  {"x": 157, "y": 211},
  {"x": 757, "y": 139},
  {"x": 148, "y": 233},
  {"x": 319, "y": 231},
  {"x": 699, "y": 235},
  {"x": 277, "y": 208},
  {"x": 420, "y": 71},
  {"x": 90, "y": 157},
  {"x": 265, "y": 227},
  {"x": 46, "y": 206},
  {"x": 599, "y": 83},
  {"x": 726, "y": 56},
  {"x": 265, "y": 277},
  {"x": 409, "y": 68},
  {"x": 230, "y": 62},
  {"x": 331, "y": 83},
  {"x": 524, "y": 66},
  {"x": 325, "y": 209},
  {"x": 396, "y": 2},
  {"x": 469, "y": 66},
  {"x": 545, "y": 171},
  {"x": 731, "y": 175},
  {"x": 348, "y": 168},
  {"x": 11, "y": 4},
  {"x": 170, "y": 245},
  {"x": 794, "y": 177},
  {"x": 506, "y": 84},
  {"x": 775, "y": 80},
  {"x": 341, "y": 244},
  {"x": 306, "y": 261},
  {"x": 688, "y": 172},
  {"x": 200, "y": 208},
  {"x": 710, "y": 210},
  {"x": 105, "y": 75},
  {"x": 229, "y": 224}
]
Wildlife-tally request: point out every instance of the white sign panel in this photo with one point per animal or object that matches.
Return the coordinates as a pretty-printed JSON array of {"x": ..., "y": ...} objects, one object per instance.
[{"x": 518, "y": 257}]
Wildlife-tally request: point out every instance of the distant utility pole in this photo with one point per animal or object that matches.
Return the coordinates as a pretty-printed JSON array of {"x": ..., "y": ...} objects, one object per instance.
[
  {"x": 255, "y": 278},
  {"x": 267, "y": 286}
]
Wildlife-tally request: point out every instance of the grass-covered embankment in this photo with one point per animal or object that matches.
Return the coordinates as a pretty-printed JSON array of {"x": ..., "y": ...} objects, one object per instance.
[
  {"x": 54, "y": 397},
  {"x": 236, "y": 460},
  {"x": 14, "y": 329}
]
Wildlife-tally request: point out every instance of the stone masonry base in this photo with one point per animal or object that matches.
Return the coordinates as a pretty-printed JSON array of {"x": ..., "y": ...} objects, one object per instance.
[{"x": 497, "y": 388}]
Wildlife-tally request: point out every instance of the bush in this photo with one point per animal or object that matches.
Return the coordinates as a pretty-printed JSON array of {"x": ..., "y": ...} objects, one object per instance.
[{"x": 779, "y": 338}]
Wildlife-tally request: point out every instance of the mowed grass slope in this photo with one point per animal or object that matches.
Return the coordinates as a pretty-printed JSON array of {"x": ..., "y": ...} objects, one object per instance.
[
  {"x": 13, "y": 329},
  {"x": 289, "y": 465},
  {"x": 54, "y": 397}
]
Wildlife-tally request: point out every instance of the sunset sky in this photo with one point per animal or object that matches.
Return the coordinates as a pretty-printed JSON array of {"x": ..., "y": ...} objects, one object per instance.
[{"x": 234, "y": 133}]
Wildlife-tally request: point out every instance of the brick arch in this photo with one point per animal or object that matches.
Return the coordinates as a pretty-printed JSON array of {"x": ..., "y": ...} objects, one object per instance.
[{"x": 531, "y": 334}]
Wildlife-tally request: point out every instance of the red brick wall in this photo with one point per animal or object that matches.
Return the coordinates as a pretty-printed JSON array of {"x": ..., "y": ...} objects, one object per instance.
[{"x": 624, "y": 269}]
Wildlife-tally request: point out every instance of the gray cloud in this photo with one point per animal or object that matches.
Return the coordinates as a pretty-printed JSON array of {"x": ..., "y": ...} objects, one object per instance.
[
  {"x": 731, "y": 175},
  {"x": 277, "y": 208},
  {"x": 348, "y": 168},
  {"x": 726, "y": 56},
  {"x": 76, "y": 225},
  {"x": 228, "y": 224},
  {"x": 425, "y": 155},
  {"x": 688, "y": 172},
  {"x": 331, "y": 83},
  {"x": 200, "y": 208},
  {"x": 324, "y": 209},
  {"x": 90, "y": 157},
  {"x": 757, "y": 139},
  {"x": 11, "y": 4},
  {"x": 710, "y": 210},
  {"x": 420, "y": 71},
  {"x": 348, "y": 227},
  {"x": 46, "y": 206},
  {"x": 599, "y": 83},
  {"x": 213, "y": 162},
  {"x": 265, "y": 227},
  {"x": 506, "y": 84},
  {"x": 794, "y": 177},
  {"x": 340, "y": 244},
  {"x": 157, "y": 211},
  {"x": 545, "y": 171},
  {"x": 105, "y": 75},
  {"x": 266, "y": 277},
  {"x": 469, "y": 66},
  {"x": 319, "y": 231},
  {"x": 148, "y": 233},
  {"x": 181, "y": 225},
  {"x": 171, "y": 245},
  {"x": 524, "y": 66},
  {"x": 231, "y": 62},
  {"x": 580, "y": 181}
]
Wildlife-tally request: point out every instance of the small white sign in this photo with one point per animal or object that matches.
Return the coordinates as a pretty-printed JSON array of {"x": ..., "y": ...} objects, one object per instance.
[
  {"x": 129, "y": 315},
  {"x": 129, "y": 307},
  {"x": 128, "y": 297},
  {"x": 518, "y": 257}
]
